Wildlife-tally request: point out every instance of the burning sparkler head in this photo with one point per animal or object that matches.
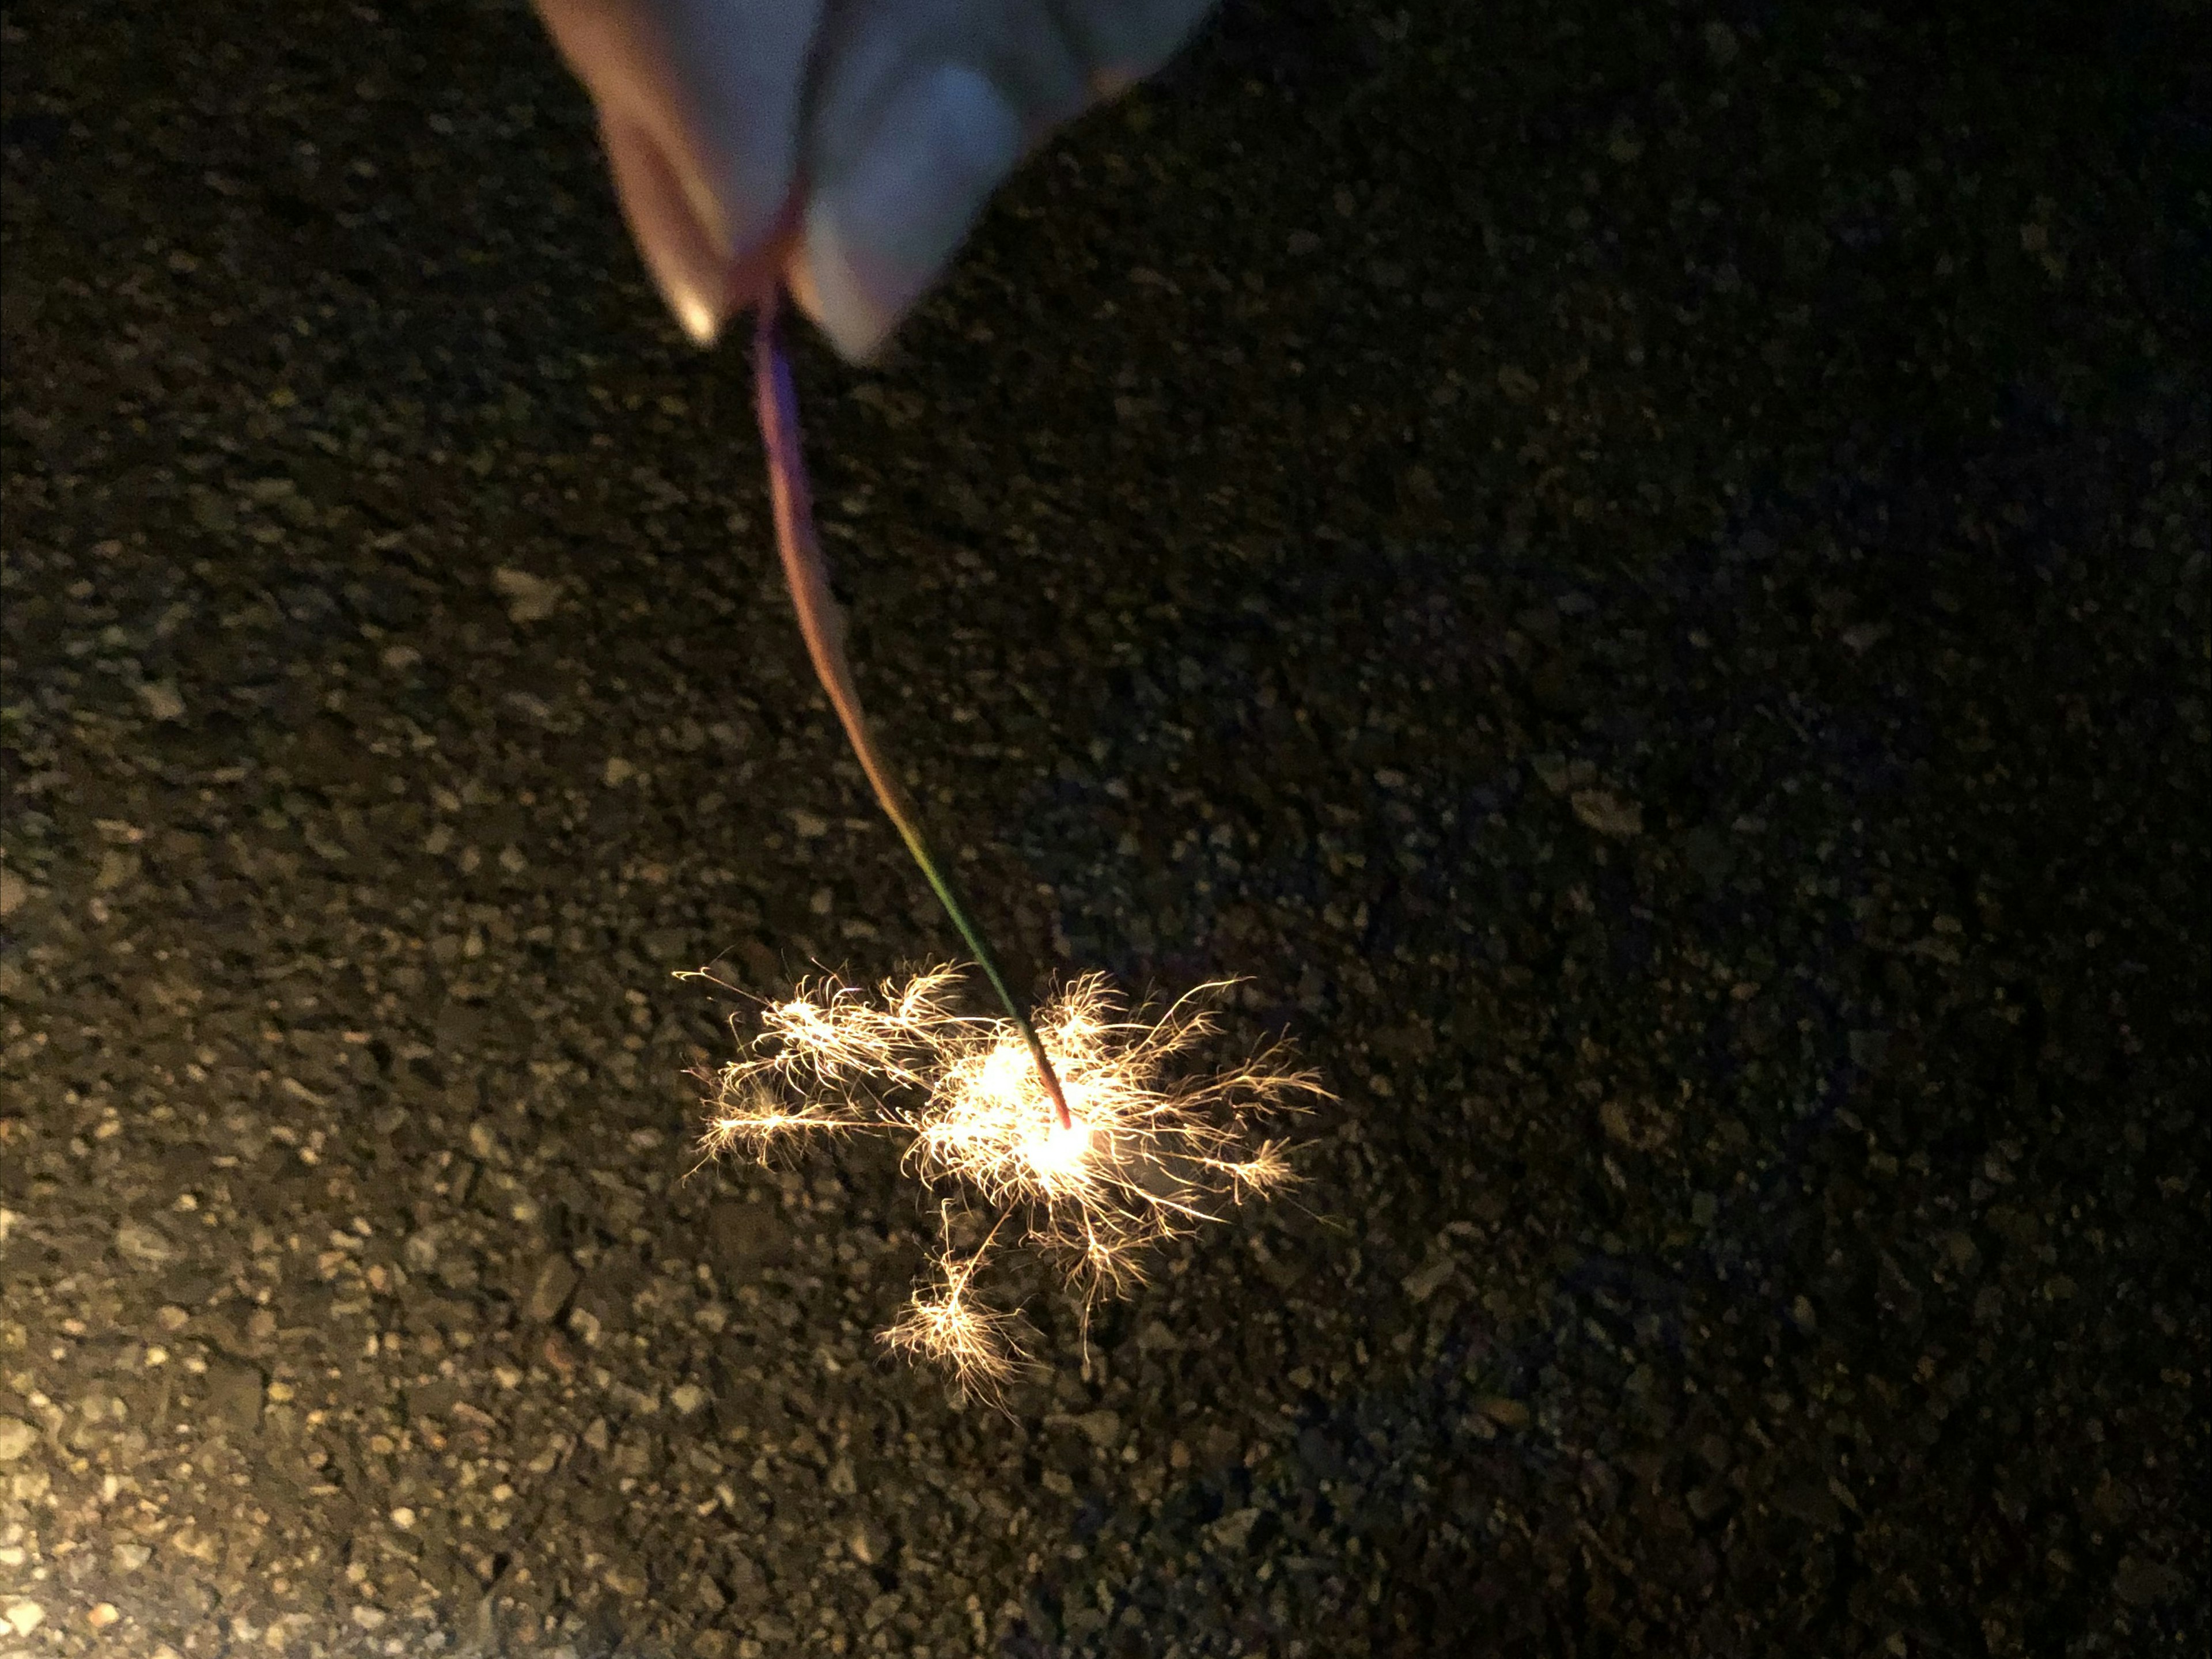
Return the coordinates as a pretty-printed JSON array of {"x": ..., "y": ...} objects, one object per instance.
[
  {"x": 1058, "y": 1155},
  {"x": 1153, "y": 1147}
]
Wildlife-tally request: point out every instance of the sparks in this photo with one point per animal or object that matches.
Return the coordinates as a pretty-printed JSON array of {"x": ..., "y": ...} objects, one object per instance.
[
  {"x": 944, "y": 1324},
  {"x": 1151, "y": 1145}
]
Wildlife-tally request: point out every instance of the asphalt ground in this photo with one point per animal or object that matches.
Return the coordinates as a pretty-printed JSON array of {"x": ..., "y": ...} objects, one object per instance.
[{"x": 1638, "y": 574}]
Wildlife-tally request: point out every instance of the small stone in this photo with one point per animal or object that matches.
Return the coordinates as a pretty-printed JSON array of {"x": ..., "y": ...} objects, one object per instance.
[
  {"x": 129, "y": 1558},
  {"x": 366, "y": 1617},
  {"x": 687, "y": 1398},
  {"x": 1607, "y": 813},
  {"x": 102, "y": 1615},
  {"x": 16, "y": 1438},
  {"x": 1561, "y": 775},
  {"x": 420, "y": 1251},
  {"x": 162, "y": 700},
  {"x": 1505, "y": 1412},
  {"x": 1430, "y": 1279},
  {"x": 117, "y": 865},
  {"x": 550, "y": 1289},
  {"x": 1231, "y": 1531},
  {"x": 24, "y": 1616},
  {"x": 529, "y": 599},
  {"x": 745, "y": 1237},
  {"x": 233, "y": 1393},
  {"x": 137, "y": 1242}
]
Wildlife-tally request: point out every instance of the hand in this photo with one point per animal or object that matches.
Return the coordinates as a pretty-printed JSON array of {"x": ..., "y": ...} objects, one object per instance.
[{"x": 844, "y": 147}]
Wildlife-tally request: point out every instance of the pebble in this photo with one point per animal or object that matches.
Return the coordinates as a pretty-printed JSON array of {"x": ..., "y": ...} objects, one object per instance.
[
  {"x": 530, "y": 599},
  {"x": 1507, "y": 1413},
  {"x": 233, "y": 1393},
  {"x": 550, "y": 1286},
  {"x": 143, "y": 1245}
]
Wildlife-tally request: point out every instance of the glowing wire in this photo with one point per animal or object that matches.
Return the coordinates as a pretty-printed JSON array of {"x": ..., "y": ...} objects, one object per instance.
[{"x": 823, "y": 627}]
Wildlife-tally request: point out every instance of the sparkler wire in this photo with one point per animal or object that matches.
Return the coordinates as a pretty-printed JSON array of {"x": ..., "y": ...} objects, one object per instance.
[{"x": 823, "y": 627}]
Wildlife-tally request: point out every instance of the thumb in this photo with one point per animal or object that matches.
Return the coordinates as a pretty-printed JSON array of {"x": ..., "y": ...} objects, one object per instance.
[
  {"x": 919, "y": 109},
  {"x": 878, "y": 229},
  {"x": 698, "y": 104}
]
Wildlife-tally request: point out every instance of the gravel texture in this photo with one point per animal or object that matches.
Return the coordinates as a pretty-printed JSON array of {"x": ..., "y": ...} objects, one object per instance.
[{"x": 1639, "y": 573}]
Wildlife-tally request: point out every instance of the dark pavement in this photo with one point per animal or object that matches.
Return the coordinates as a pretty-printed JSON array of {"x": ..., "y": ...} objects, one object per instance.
[{"x": 1640, "y": 572}]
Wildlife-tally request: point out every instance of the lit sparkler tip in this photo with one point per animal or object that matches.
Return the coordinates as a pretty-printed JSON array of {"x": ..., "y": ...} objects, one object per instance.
[{"x": 1147, "y": 1150}]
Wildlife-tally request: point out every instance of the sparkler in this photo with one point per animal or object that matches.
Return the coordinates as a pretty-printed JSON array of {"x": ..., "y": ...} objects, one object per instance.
[
  {"x": 1092, "y": 1136},
  {"x": 1153, "y": 1148},
  {"x": 823, "y": 628}
]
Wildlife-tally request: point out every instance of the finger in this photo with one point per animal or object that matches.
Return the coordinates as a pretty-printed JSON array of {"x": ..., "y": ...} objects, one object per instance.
[
  {"x": 920, "y": 111},
  {"x": 879, "y": 227},
  {"x": 698, "y": 104}
]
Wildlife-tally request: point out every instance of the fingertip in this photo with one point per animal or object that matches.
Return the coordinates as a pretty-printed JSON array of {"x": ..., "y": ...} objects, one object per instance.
[
  {"x": 825, "y": 284},
  {"x": 680, "y": 256},
  {"x": 879, "y": 232},
  {"x": 798, "y": 282}
]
